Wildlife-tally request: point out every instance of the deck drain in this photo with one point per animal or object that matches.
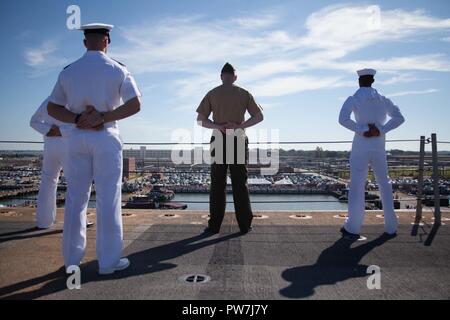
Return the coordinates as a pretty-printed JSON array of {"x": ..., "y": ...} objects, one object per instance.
[
  {"x": 300, "y": 216},
  {"x": 195, "y": 278},
  {"x": 127, "y": 215},
  {"x": 206, "y": 216},
  {"x": 196, "y": 222},
  {"x": 169, "y": 215},
  {"x": 341, "y": 216},
  {"x": 260, "y": 216}
]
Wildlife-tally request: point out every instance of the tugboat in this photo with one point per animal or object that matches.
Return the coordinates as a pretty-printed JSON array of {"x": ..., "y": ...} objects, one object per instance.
[
  {"x": 370, "y": 198},
  {"x": 141, "y": 202},
  {"x": 161, "y": 194},
  {"x": 157, "y": 198}
]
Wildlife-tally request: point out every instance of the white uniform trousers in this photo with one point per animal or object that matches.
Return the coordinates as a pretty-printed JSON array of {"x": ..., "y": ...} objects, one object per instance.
[
  {"x": 359, "y": 166},
  {"x": 52, "y": 163},
  {"x": 94, "y": 155}
]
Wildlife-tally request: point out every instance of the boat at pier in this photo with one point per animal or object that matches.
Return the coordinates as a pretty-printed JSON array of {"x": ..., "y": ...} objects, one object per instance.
[{"x": 158, "y": 198}]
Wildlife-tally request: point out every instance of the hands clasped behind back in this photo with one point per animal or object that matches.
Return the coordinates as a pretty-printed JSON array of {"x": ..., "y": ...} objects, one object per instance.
[
  {"x": 372, "y": 132},
  {"x": 230, "y": 126},
  {"x": 90, "y": 119}
]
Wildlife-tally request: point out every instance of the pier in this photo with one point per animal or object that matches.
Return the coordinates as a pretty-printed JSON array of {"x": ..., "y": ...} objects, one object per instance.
[{"x": 20, "y": 192}]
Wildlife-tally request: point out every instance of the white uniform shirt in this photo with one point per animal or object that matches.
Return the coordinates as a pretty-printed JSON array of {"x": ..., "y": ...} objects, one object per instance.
[
  {"x": 97, "y": 80},
  {"x": 368, "y": 106},
  {"x": 41, "y": 121}
]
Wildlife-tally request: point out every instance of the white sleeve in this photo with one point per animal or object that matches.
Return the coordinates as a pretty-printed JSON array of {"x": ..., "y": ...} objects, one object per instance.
[
  {"x": 346, "y": 121},
  {"x": 396, "y": 117},
  {"x": 129, "y": 88},
  {"x": 58, "y": 95},
  {"x": 37, "y": 121}
]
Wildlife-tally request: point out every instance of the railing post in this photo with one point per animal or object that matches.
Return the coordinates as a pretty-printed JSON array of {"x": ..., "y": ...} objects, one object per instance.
[
  {"x": 437, "y": 195},
  {"x": 420, "y": 180}
]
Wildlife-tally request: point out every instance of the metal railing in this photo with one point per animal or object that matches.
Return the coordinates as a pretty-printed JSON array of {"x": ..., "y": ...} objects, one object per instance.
[
  {"x": 207, "y": 143},
  {"x": 421, "y": 167},
  {"x": 435, "y": 177}
]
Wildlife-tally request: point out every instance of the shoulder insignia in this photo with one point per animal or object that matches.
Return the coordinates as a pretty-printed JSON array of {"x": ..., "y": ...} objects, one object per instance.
[{"x": 119, "y": 62}]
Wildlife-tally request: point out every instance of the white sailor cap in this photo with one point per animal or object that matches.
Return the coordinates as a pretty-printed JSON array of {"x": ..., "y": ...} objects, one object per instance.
[
  {"x": 101, "y": 28},
  {"x": 366, "y": 72},
  {"x": 96, "y": 26}
]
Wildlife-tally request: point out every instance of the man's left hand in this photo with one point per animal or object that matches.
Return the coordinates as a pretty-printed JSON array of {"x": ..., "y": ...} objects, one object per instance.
[
  {"x": 374, "y": 131},
  {"x": 232, "y": 125},
  {"x": 90, "y": 119}
]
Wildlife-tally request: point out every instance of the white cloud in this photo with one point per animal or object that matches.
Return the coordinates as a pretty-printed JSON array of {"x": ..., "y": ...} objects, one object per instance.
[
  {"x": 401, "y": 78},
  {"x": 256, "y": 22},
  {"x": 193, "y": 44},
  {"x": 268, "y": 106},
  {"x": 267, "y": 55},
  {"x": 43, "y": 59},
  {"x": 344, "y": 29},
  {"x": 281, "y": 86},
  {"x": 36, "y": 57},
  {"x": 427, "y": 62},
  {"x": 414, "y": 92},
  {"x": 272, "y": 58},
  {"x": 188, "y": 86},
  {"x": 136, "y": 127},
  {"x": 264, "y": 69}
]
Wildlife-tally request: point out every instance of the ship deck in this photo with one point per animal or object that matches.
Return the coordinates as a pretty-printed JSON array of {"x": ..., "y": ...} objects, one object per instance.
[{"x": 283, "y": 258}]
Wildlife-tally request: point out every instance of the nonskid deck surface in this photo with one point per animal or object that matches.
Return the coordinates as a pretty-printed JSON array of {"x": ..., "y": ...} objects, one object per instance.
[{"x": 285, "y": 257}]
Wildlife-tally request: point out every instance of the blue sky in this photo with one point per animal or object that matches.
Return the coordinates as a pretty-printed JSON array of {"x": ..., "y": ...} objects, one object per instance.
[{"x": 298, "y": 58}]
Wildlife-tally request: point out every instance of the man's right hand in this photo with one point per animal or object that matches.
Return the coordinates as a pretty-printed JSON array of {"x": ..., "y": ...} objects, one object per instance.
[
  {"x": 221, "y": 127},
  {"x": 90, "y": 119},
  {"x": 372, "y": 132},
  {"x": 54, "y": 132}
]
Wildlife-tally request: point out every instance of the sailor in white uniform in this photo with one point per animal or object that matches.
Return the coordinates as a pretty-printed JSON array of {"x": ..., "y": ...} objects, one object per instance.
[
  {"x": 52, "y": 164},
  {"x": 96, "y": 92},
  {"x": 371, "y": 111},
  {"x": 54, "y": 160}
]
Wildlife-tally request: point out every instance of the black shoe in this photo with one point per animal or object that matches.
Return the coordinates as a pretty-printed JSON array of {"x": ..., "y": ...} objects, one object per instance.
[
  {"x": 348, "y": 235},
  {"x": 389, "y": 235},
  {"x": 247, "y": 231},
  {"x": 208, "y": 230}
]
